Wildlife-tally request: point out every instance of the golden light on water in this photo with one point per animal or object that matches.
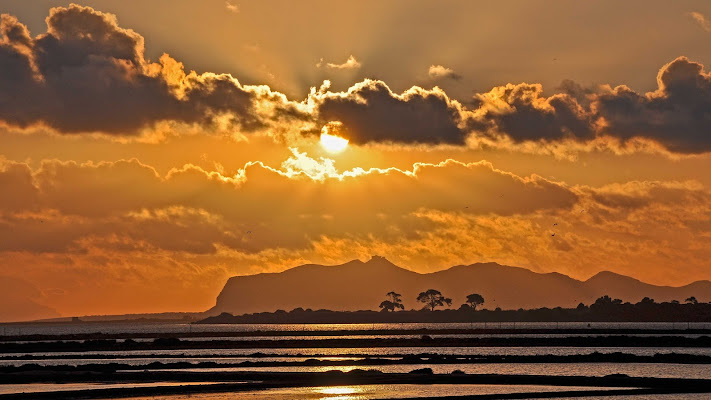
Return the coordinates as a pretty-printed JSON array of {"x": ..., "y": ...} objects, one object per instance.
[
  {"x": 332, "y": 143},
  {"x": 340, "y": 392}
]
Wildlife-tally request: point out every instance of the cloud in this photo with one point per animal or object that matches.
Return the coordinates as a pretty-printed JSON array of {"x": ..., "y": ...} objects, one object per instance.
[
  {"x": 351, "y": 63},
  {"x": 72, "y": 207},
  {"x": 86, "y": 74},
  {"x": 370, "y": 112},
  {"x": 233, "y": 8},
  {"x": 675, "y": 115},
  {"x": 440, "y": 72},
  {"x": 522, "y": 113},
  {"x": 124, "y": 226},
  {"x": 701, "y": 20}
]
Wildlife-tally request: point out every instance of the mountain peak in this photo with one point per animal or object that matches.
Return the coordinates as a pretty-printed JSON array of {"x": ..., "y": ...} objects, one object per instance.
[
  {"x": 607, "y": 275},
  {"x": 376, "y": 259}
]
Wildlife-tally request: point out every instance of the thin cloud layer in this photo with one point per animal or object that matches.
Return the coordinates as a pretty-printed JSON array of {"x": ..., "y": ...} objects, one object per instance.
[
  {"x": 67, "y": 204},
  {"x": 701, "y": 20}
]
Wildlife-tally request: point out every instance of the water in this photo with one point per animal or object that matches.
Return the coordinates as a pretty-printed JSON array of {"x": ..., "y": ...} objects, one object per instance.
[
  {"x": 63, "y": 387},
  {"x": 689, "y": 371},
  {"x": 386, "y": 336},
  {"x": 360, "y": 392},
  {"x": 158, "y": 327},
  {"x": 145, "y": 357},
  {"x": 234, "y": 356},
  {"x": 373, "y": 351}
]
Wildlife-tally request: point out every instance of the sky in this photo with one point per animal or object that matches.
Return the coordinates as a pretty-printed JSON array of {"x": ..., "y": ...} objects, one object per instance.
[{"x": 151, "y": 150}]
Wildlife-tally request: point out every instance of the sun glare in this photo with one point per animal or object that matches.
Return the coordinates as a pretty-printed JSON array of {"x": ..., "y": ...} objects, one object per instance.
[{"x": 332, "y": 143}]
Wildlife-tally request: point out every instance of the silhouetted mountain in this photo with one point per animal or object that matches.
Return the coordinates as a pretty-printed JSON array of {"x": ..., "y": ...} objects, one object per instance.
[
  {"x": 18, "y": 301},
  {"x": 358, "y": 285}
]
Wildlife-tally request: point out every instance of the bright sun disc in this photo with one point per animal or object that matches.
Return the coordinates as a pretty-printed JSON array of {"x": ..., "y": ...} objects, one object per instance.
[{"x": 333, "y": 144}]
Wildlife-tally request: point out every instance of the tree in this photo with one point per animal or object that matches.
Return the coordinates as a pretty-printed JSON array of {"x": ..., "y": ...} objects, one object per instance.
[
  {"x": 433, "y": 298},
  {"x": 646, "y": 300},
  {"x": 392, "y": 302},
  {"x": 474, "y": 300},
  {"x": 692, "y": 300}
]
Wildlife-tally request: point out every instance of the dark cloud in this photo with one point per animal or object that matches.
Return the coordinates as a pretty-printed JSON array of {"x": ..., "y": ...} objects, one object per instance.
[
  {"x": 86, "y": 74},
  {"x": 523, "y": 113},
  {"x": 371, "y": 112},
  {"x": 677, "y": 114}
]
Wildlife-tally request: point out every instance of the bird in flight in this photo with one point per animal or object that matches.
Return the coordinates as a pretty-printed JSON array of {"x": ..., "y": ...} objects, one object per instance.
[{"x": 553, "y": 234}]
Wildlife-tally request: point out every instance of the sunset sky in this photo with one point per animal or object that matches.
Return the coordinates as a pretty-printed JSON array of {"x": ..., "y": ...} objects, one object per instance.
[{"x": 150, "y": 150}]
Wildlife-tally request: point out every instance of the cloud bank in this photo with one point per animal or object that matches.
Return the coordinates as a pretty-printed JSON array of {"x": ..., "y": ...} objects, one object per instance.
[{"x": 87, "y": 74}]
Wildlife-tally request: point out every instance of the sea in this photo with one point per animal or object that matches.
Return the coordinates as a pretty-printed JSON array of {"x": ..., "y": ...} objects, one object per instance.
[{"x": 225, "y": 360}]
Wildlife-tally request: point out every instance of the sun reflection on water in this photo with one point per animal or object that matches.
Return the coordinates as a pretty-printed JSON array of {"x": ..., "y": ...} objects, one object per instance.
[{"x": 339, "y": 392}]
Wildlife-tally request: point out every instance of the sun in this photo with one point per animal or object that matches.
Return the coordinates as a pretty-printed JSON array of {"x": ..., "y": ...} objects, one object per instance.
[{"x": 333, "y": 143}]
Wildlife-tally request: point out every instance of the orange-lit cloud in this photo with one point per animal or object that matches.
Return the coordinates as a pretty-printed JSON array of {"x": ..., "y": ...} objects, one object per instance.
[
  {"x": 350, "y": 63},
  {"x": 439, "y": 72},
  {"x": 701, "y": 20},
  {"x": 231, "y": 7}
]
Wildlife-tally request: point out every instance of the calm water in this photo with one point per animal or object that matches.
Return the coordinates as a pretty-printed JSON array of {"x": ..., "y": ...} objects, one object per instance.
[
  {"x": 566, "y": 369},
  {"x": 224, "y": 356},
  {"x": 361, "y": 392},
  {"x": 386, "y": 336},
  {"x": 377, "y": 351},
  {"x": 142, "y": 327},
  {"x": 57, "y": 387},
  {"x": 229, "y": 356}
]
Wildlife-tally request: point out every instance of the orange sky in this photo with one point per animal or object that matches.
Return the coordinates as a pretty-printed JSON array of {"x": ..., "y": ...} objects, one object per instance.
[{"x": 148, "y": 153}]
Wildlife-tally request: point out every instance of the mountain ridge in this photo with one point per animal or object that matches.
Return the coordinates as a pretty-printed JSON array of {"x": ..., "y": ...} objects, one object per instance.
[{"x": 359, "y": 285}]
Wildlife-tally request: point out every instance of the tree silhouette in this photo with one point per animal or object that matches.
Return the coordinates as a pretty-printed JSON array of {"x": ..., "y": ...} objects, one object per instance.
[
  {"x": 605, "y": 304},
  {"x": 393, "y": 301},
  {"x": 433, "y": 298},
  {"x": 692, "y": 300},
  {"x": 474, "y": 300}
]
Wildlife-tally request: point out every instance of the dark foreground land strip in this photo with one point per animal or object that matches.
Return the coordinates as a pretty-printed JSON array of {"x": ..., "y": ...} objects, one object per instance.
[
  {"x": 493, "y": 330},
  {"x": 424, "y": 341},
  {"x": 244, "y": 381}
]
